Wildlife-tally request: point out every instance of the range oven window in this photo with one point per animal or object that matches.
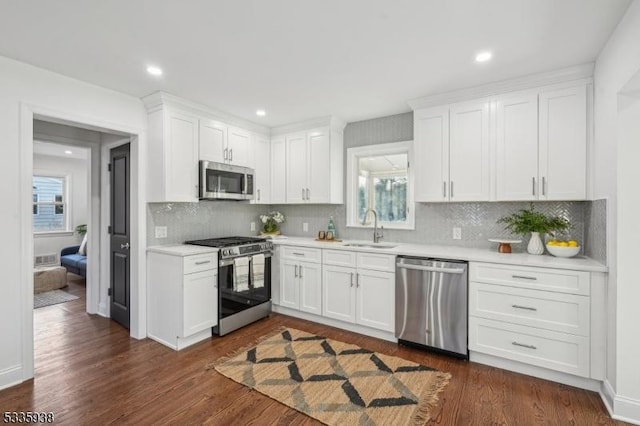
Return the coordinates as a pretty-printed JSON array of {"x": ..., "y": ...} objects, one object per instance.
[
  {"x": 225, "y": 182},
  {"x": 235, "y": 298}
]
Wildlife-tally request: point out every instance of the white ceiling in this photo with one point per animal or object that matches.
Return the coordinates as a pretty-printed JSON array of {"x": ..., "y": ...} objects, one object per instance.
[
  {"x": 60, "y": 150},
  {"x": 355, "y": 59}
]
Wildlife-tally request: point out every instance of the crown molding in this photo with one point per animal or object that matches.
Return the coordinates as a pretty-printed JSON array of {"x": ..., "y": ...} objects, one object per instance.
[
  {"x": 579, "y": 73},
  {"x": 157, "y": 100},
  {"x": 328, "y": 121}
]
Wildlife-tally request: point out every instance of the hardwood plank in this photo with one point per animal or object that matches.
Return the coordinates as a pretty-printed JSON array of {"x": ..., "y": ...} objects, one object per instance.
[{"x": 89, "y": 371}]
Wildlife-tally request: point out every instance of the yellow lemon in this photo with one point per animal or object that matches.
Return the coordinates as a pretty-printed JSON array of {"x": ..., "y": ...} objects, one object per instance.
[
  {"x": 551, "y": 243},
  {"x": 563, "y": 244},
  {"x": 573, "y": 243}
]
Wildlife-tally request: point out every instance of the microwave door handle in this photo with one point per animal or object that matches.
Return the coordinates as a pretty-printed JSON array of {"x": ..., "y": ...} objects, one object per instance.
[{"x": 246, "y": 184}]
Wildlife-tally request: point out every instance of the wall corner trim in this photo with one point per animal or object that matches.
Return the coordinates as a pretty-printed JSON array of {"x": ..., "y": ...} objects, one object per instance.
[{"x": 620, "y": 407}]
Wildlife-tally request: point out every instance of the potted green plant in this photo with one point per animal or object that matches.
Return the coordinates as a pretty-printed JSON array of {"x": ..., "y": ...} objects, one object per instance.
[
  {"x": 530, "y": 221},
  {"x": 81, "y": 229},
  {"x": 271, "y": 223}
]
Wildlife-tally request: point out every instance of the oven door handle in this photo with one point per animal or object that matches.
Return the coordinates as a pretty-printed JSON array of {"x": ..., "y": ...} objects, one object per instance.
[{"x": 227, "y": 262}]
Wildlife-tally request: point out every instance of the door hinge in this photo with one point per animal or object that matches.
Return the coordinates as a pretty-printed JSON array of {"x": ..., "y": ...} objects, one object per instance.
[
  {"x": 109, "y": 229},
  {"x": 109, "y": 292},
  {"x": 109, "y": 167}
]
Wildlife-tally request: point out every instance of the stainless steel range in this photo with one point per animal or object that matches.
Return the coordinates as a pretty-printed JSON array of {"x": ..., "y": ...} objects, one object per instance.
[{"x": 244, "y": 280}]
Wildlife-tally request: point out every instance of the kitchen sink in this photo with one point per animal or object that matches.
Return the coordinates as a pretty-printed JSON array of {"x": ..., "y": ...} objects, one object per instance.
[{"x": 370, "y": 245}]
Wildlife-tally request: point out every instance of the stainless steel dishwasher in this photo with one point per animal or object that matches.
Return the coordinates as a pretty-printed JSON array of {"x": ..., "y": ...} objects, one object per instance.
[{"x": 431, "y": 303}]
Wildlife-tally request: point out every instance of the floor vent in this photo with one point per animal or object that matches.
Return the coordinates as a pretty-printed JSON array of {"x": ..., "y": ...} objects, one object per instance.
[{"x": 45, "y": 259}]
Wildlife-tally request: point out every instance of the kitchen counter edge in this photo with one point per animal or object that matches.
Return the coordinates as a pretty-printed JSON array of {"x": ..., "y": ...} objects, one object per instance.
[{"x": 181, "y": 249}]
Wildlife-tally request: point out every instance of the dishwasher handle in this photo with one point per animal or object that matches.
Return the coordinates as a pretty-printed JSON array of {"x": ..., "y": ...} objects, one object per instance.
[{"x": 430, "y": 268}]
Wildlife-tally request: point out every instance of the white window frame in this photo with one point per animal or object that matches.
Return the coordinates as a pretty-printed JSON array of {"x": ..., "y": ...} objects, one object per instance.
[
  {"x": 353, "y": 169},
  {"x": 66, "y": 196}
]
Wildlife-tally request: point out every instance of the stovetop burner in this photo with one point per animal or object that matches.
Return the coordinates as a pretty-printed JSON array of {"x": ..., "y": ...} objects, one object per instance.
[{"x": 226, "y": 241}]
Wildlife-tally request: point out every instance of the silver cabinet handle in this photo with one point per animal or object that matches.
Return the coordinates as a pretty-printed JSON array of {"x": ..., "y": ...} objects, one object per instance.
[
  {"x": 295, "y": 271},
  {"x": 544, "y": 185},
  {"x": 351, "y": 279},
  {"x": 533, "y": 186},
  {"x": 225, "y": 154},
  {"x": 297, "y": 254},
  {"x": 522, "y": 277},
  {"x": 299, "y": 271},
  {"x": 308, "y": 194},
  {"x": 523, "y": 345},
  {"x": 357, "y": 280},
  {"x": 231, "y": 155},
  {"x": 451, "y": 190},
  {"x": 528, "y": 308},
  {"x": 444, "y": 189},
  {"x": 303, "y": 194},
  {"x": 258, "y": 195},
  {"x": 203, "y": 262},
  {"x": 125, "y": 246}
]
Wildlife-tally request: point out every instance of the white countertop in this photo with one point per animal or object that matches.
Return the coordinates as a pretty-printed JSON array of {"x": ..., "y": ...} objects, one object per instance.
[
  {"x": 579, "y": 263},
  {"x": 181, "y": 249}
]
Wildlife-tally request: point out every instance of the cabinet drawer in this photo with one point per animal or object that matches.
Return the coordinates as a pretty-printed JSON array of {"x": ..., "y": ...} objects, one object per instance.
[
  {"x": 543, "y": 348},
  {"x": 339, "y": 258},
  {"x": 302, "y": 253},
  {"x": 566, "y": 313},
  {"x": 377, "y": 261},
  {"x": 200, "y": 262},
  {"x": 557, "y": 280}
]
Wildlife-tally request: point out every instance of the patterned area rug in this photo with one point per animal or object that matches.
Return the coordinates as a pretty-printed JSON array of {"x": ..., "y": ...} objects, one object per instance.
[
  {"x": 53, "y": 297},
  {"x": 335, "y": 382}
]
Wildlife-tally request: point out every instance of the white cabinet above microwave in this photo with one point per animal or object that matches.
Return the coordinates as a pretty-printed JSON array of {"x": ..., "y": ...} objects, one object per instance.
[{"x": 221, "y": 143}]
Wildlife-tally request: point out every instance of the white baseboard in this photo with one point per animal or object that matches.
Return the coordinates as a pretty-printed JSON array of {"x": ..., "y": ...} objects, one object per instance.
[
  {"x": 620, "y": 407},
  {"x": 102, "y": 310},
  {"x": 11, "y": 376}
]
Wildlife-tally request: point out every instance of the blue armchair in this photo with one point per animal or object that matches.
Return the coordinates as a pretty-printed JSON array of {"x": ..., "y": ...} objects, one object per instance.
[{"x": 72, "y": 261}]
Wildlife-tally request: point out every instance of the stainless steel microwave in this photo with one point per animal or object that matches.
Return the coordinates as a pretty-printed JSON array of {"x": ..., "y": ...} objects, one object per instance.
[{"x": 220, "y": 181}]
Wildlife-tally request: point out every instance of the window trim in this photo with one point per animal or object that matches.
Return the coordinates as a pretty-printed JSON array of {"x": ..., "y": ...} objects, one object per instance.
[
  {"x": 353, "y": 156},
  {"x": 66, "y": 203}
]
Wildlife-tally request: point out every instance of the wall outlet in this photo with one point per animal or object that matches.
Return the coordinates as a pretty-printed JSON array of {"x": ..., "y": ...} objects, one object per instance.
[
  {"x": 161, "y": 232},
  {"x": 253, "y": 226},
  {"x": 305, "y": 227},
  {"x": 457, "y": 233}
]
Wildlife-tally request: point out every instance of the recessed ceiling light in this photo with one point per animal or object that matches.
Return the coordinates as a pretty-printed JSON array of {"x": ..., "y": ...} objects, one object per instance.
[
  {"x": 68, "y": 152},
  {"x": 261, "y": 113},
  {"x": 483, "y": 56},
  {"x": 154, "y": 70}
]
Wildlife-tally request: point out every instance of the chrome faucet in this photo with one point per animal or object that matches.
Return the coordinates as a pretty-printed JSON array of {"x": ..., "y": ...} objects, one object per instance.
[{"x": 377, "y": 235}]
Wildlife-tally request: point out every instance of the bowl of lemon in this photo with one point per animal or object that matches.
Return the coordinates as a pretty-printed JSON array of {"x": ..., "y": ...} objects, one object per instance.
[{"x": 561, "y": 248}]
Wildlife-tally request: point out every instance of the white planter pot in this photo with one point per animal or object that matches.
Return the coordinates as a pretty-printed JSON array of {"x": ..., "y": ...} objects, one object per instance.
[{"x": 535, "y": 244}]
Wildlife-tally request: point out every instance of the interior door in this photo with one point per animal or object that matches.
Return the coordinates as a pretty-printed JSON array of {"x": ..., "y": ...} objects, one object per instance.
[{"x": 120, "y": 259}]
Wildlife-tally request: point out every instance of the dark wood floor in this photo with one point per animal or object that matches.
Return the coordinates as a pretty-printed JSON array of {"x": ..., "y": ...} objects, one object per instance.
[{"x": 88, "y": 371}]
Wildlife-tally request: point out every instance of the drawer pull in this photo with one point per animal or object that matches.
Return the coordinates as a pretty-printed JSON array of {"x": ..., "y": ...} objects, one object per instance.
[
  {"x": 298, "y": 254},
  {"x": 522, "y": 277},
  {"x": 528, "y": 308},
  {"x": 523, "y": 345},
  {"x": 203, "y": 262}
]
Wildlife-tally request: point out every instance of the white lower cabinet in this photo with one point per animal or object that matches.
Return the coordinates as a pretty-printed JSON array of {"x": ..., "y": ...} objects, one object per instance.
[
  {"x": 182, "y": 297},
  {"x": 536, "y": 316},
  {"x": 300, "y": 284},
  {"x": 358, "y": 295}
]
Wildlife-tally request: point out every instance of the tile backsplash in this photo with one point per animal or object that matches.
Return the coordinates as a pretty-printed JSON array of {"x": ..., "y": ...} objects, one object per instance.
[{"x": 596, "y": 230}]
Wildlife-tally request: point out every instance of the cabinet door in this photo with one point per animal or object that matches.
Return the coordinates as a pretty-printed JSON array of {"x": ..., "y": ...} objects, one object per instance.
[
  {"x": 469, "y": 165},
  {"x": 339, "y": 293},
  {"x": 296, "y": 161},
  {"x": 262, "y": 168},
  {"x": 517, "y": 147},
  {"x": 278, "y": 171},
  {"x": 431, "y": 154},
  {"x": 181, "y": 160},
  {"x": 213, "y": 140},
  {"x": 200, "y": 302},
  {"x": 289, "y": 292},
  {"x": 563, "y": 144},
  {"x": 375, "y": 300},
  {"x": 310, "y": 275},
  {"x": 239, "y": 147},
  {"x": 319, "y": 167}
]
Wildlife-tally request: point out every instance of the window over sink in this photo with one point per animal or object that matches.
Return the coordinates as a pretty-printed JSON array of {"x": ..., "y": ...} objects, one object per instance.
[{"x": 379, "y": 177}]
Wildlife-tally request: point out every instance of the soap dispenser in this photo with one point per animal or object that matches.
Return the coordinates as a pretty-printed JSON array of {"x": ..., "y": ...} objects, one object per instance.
[{"x": 332, "y": 227}]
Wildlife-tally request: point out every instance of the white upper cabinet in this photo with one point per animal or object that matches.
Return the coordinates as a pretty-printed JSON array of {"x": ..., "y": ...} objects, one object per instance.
[
  {"x": 173, "y": 156},
  {"x": 469, "y": 172},
  {"x": 278, "y": 171},
  {"x": 238, "y": 147},
  {"x": 313, "y": 164},
  {"x": 563, "y": 144},
  {"x": 213, "y": 140},
  {"x": 262, "y": 168},
  {"x": 517, "y": 147},
  {"x": 451, "y": 146}
]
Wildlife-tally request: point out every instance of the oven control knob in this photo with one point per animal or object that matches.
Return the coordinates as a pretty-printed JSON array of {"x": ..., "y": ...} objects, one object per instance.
[{"x": 225, "y": 252}]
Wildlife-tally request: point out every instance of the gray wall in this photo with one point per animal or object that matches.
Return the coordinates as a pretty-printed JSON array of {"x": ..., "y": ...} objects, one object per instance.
[{"x": 434, "y": 221}]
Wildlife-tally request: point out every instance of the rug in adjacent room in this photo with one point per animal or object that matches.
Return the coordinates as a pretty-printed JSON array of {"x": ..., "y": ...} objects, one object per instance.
[
  {"x": 53, "y": 297},
  {"x": 335, "y": 382}
]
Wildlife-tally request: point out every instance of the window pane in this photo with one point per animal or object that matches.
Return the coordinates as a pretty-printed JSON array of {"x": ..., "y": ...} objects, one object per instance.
[
  {"x": 49, "y": 212},
  {"x": 391, "y": 198},
  {"x": 363, "y": 196},
  {"x": 382, "y": 185}
]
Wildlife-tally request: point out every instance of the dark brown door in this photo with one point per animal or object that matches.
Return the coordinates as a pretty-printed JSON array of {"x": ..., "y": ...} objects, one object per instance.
[{"x": 120, "y": 233}]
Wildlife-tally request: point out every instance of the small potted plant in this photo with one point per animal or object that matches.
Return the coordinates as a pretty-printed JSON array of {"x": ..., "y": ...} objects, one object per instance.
[
  {"x": 529, "y": 221},
  {"x": 271, "y": 223}
]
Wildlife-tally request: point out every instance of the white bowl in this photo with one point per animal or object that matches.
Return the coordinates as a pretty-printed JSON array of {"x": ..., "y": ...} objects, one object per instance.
[{"x": 559, "y": 251}]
